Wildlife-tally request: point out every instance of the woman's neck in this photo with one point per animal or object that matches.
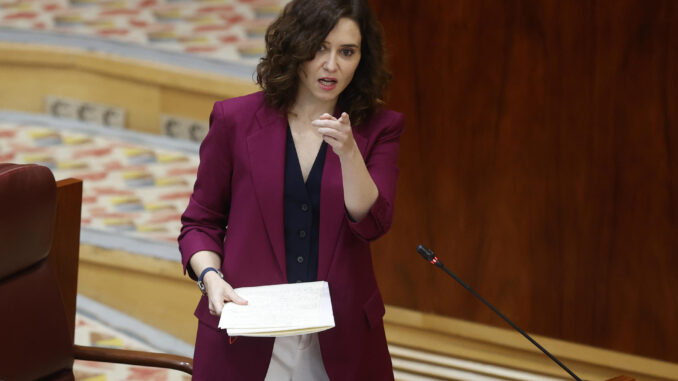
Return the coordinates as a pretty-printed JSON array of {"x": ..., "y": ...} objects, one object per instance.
[{"x": 307, "y": 111}]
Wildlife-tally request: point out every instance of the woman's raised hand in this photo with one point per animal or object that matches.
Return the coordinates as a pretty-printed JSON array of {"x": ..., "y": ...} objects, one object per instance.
[
  {"x": 337, "y": 133},
  {"x": 219, "y": 292}
]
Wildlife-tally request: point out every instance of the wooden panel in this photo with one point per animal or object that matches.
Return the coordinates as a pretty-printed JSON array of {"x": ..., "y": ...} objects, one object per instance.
[
  {"x": 197, "y": 107},
  {"x": 155, "y": 292},
  {"x": 540, "y": 163},
  {"x": 144, "y": 89},
  {"x": 149, "y": 289},
  {"x": 504, "y": 347},
  {"x": 63, "y": 255}
]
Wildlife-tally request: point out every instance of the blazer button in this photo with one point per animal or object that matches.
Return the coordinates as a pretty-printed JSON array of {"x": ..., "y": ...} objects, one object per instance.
[
  {"x": 304, "y": 207},
  {"x": 300, "y": 259},
  {"x": 302, "y": 233}
]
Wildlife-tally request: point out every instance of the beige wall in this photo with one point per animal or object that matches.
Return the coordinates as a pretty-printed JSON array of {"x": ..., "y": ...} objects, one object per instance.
[{"x": 144, "y": 90}]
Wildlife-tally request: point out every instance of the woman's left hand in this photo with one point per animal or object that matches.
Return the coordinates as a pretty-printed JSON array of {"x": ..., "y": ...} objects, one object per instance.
[{"x": 337, "y": 133}]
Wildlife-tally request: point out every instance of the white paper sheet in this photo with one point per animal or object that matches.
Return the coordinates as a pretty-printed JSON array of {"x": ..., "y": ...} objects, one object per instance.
[{"x": 279, "y": 310}]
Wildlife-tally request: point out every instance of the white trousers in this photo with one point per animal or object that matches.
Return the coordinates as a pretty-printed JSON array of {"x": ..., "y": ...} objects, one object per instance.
[{"x": 296, "y": 358}]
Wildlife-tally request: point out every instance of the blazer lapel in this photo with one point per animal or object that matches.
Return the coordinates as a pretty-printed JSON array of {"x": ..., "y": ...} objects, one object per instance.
[
  {"x": 266, "y": 148},
  {"x": 332, "y": 209}
]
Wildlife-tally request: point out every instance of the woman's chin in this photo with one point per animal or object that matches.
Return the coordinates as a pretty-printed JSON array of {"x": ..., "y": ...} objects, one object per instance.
[{"x": 327, "y": 96}]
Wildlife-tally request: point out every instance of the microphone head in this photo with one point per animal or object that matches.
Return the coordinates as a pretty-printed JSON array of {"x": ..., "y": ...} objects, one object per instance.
[{"x": 426, "y": 253}]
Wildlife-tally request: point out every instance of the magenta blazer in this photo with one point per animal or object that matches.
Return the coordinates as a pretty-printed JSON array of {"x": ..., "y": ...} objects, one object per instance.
[{"x": 236, "y": 210}]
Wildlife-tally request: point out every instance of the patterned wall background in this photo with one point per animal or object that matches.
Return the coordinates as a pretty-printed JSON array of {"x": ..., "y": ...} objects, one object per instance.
[
  {"x": 91, "y": 332},
  {"x": 230, "y": 30},
  {"x": 129, "y": 189}
]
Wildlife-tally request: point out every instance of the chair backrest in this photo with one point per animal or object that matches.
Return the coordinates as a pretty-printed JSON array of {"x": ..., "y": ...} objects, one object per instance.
[{"x": 35, "y": 339}]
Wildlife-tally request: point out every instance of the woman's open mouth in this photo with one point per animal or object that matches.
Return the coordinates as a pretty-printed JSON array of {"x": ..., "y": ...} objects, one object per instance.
[{"x": 327, "y": 84}]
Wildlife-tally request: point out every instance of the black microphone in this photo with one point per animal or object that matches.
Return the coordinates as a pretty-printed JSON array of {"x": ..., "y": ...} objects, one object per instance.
[{"x": 431, "y": 258}]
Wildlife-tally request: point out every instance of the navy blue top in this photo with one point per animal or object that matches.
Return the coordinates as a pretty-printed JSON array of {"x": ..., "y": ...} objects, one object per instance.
[{"x": 302, "y": 214}]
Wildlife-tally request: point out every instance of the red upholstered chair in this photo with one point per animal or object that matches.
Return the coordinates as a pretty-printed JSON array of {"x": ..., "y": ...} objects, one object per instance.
[{"x": 39, "y": 241}]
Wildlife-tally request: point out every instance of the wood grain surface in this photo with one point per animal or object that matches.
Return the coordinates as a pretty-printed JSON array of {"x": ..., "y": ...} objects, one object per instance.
[
  {"x": 540, "y": 162},
  {"x": 64, "y": 252}
]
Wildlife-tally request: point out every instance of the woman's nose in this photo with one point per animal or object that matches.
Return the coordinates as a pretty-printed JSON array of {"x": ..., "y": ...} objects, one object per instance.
[{"x": 331, "y": 63}]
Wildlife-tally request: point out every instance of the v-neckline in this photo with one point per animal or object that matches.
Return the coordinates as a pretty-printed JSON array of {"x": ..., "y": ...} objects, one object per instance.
[{"x": 314, "y": 167}]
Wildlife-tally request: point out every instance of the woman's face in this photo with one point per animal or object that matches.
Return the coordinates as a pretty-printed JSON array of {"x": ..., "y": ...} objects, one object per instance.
[{"x": 331, "y": 70}]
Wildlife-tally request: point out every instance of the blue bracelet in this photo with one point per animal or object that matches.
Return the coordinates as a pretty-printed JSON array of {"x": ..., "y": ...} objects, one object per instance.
[
  {"x": 205, "y": 271},
  {"x": 201, "y": 285}
]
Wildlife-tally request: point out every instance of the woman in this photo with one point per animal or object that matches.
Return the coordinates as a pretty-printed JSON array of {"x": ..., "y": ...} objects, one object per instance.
[{"x": 303, "y": 175}]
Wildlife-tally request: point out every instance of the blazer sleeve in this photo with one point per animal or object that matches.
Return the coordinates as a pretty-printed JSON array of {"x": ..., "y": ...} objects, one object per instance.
[
  {"x": 204, "y": 221},
  {"x": 382, "y": 164}
]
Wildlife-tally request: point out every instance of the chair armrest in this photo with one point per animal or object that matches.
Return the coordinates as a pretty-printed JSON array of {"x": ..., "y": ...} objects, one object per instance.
[{"x": 121, "y": 356}]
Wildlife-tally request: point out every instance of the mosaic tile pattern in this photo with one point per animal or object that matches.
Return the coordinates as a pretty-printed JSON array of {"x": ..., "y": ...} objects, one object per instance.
[
  {"x": 128, "y": 189},
  {"x": 90, "y": 332},
  {"x": 230, "y": 30}
]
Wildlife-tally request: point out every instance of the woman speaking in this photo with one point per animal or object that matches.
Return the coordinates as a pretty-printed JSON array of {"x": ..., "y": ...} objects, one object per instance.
[{"x": 294, "y": 182}]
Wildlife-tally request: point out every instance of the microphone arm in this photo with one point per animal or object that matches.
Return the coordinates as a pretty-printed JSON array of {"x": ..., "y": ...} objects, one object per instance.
[{"x": 431, "y": 258}]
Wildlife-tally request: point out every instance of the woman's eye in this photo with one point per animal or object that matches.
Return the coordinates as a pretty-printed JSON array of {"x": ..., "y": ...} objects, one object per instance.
[
  {"x": 347, "y": 52},
  {"x": 321, "y": 48}
]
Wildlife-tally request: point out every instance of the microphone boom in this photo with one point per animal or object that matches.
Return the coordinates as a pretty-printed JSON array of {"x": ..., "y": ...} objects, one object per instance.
[{"x": 430, "y": 257}]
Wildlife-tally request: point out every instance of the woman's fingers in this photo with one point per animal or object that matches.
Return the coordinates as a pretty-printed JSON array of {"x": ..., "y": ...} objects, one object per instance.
[
  {"x": 336, "y": 132},
  {"x": 220, "y": 293},
  {"x": 328, "y": 123},
  {"x": 344, "y": 119},
  {"x": 334, "y": 129},
  {"x": 331, "y": 132},
  {"x": 235, "y": 298},
  {"x": 327, "y": 116},
  {"x": 231, "y": 296},
  {"x": 216, "y": 305}
]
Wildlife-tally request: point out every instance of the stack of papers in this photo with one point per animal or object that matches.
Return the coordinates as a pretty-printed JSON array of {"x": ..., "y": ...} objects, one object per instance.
[{"x": 279, "y": 310}]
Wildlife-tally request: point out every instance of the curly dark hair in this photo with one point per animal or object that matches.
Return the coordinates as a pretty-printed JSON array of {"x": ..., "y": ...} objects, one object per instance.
[{"x": 296, "y": 36}]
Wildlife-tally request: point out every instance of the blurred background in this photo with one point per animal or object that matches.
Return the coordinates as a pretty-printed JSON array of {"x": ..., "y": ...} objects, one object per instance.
[{"x": 539, "y": 162}]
